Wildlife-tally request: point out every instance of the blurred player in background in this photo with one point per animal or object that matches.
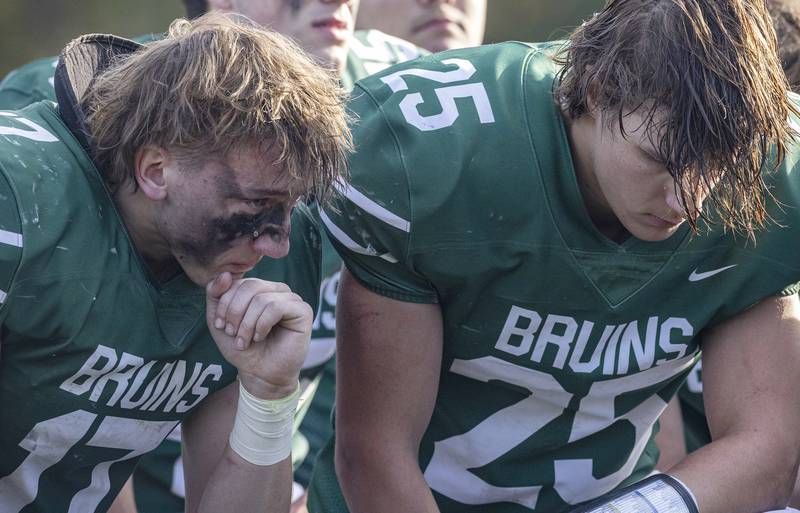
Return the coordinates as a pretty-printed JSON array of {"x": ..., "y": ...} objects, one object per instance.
[
  {"x": 435, "y": 25},
  {"x": 323, "y": 28}
]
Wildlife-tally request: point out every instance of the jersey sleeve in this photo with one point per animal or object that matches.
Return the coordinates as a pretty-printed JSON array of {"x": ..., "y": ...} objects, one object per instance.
[
  {"x": 370, "y": 221},
  {"x": 10, "y": 238},
  {"x": 13, "y": 99},
  {"x": 28, "y": 84}
]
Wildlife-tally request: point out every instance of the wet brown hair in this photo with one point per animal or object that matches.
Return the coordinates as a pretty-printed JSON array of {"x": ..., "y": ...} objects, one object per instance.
[
  {"x": 215, "y": 85},
  {"x": 786, "y": 20},
  {"x": 708, "y": 76}
]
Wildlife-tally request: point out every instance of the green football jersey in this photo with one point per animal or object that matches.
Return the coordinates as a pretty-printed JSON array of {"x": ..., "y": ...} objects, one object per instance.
[
  {"x": 561, "y": 348},
  {"x": 99, "y": 361},
  {"x": 370, "y": 51}
]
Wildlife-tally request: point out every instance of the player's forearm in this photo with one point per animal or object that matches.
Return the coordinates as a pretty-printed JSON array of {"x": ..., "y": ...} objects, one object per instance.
[
  {"x": 382, "y": 482},
  {"x": 238, "y": 485},
  {"x": 745, "y": 472}
]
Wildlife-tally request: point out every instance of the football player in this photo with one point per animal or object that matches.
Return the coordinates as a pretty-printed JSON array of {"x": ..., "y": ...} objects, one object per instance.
[
  {"x": 538, "y": 238},
  {"x": 323, "y": 28},
  {"x": 136, "y": 216},
  {"x": 318, "y": 26},
  {"x": 435, "y": 25}
]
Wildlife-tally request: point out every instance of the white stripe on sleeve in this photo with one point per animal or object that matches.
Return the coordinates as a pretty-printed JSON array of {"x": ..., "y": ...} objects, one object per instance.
[
  {"x": 349, "y": 243},
  {"x": 11, "y": 238},
  {"x": 372, "y": 208}
]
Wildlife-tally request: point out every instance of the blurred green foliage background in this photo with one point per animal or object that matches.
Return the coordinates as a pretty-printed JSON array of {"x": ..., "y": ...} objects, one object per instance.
[{"x": 39, "y": 28}]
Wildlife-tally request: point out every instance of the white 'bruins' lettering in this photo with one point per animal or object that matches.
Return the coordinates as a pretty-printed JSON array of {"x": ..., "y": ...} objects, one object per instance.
[
  {"x": 171, "y": 386},
  {"x": 564, "y": 340}
]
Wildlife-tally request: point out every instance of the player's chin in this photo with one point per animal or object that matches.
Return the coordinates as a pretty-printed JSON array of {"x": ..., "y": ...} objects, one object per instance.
[
  {"x": 200, "y": 274},
  {"x": 654, "y": 234},
  {"x": 332, "y": 56}
]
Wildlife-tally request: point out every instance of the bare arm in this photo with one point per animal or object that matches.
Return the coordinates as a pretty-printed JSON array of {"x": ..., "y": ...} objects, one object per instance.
[
  {"x": 751, "y": 394},
  {"x": 205, "y": 447},
  {"x": 275, "y": 326},
  {"x": 388, "y": 360}
]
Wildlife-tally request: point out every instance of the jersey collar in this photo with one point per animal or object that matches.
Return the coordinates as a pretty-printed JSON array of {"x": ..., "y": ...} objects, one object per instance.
[{"x": 81, "y": 61}]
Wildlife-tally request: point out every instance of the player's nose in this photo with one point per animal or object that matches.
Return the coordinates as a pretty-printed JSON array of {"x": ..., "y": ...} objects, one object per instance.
[{"x": 273, "y": 242}]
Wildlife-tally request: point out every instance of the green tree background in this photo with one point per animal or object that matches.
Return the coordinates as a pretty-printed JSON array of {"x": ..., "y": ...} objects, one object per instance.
[{"x": 39, "y": 28}]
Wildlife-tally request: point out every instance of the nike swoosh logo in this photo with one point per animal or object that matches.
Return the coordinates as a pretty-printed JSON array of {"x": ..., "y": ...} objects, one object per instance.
[{"x": 696, "y": 276}]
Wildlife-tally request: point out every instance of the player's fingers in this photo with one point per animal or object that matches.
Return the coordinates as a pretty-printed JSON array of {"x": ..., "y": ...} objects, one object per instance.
[
  {"x": 223, "y": 305},
  {"x": 247, "y": 328},
  {"x": 218, "y": 286},
  {"x": 237, "y": 301},
  {"x": 291, "y": 313},
  {"x": 215, "y": 290}
]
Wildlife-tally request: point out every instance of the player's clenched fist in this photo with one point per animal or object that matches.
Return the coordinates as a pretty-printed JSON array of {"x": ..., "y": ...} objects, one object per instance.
[{"x": 262, "y": 328}]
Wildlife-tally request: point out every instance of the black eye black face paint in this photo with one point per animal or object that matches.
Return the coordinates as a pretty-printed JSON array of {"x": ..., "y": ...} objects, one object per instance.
[
  {"x": 220, "y": 234},
  {"x": 270, "y": 221}
]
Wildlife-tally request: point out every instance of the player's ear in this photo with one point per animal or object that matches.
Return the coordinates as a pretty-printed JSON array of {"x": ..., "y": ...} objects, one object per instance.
[
  {"x": 149, "y": 170},
  {"x": 220, "y": 5}
]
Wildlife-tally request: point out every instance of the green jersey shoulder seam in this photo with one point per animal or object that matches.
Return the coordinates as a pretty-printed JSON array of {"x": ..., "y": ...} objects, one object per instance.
[
  {"x": 393, "y": 294},
  {"x": 428, "y": 299},
  {"x": 398, "y": 148}
]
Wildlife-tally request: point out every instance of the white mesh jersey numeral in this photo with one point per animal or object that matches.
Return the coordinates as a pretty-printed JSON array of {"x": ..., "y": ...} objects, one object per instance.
[
  {"x": 49, "y": 441},
  {"x": 446, "y": 95},
  {"x": 449, "y": 473},
  {"x": 38, "y": 133}
]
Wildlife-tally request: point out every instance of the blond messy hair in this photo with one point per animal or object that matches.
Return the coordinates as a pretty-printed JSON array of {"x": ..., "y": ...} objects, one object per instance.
[
  {"x": 706, "y": 75},
  {"x": 215, "y": 85}
]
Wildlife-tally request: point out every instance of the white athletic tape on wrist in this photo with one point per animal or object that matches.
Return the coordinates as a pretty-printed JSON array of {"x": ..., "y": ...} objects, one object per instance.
[{"x": 262, "y": 431}]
